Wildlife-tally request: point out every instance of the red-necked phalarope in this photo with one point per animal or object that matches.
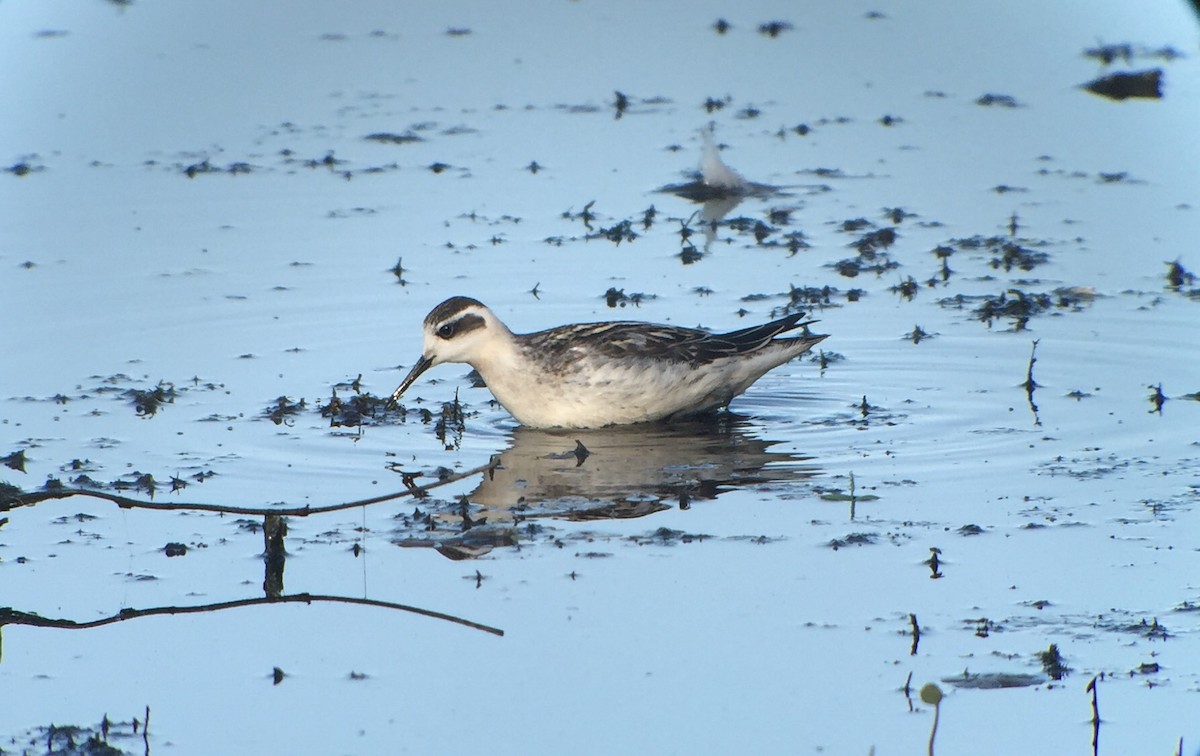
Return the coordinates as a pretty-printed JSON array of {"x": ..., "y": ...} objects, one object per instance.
[{"x": 591, "y": 375}]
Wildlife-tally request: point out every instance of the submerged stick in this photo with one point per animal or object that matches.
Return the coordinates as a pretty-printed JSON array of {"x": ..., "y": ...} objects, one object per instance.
[
  {"x": 10, "y": 616},
  {"x": 1031, "y": 385},
  {"x": 1093, "y": 689},
  {"x": 124, "y": 502}
]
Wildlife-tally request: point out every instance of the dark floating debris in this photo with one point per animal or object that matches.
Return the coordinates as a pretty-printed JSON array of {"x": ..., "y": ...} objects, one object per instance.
[
  {"x": 283, "y": 410},
  {"x": 907, "y": 289},
  {"x": 994, "y": 680},
  {"x": 581, "y": 452},
  {"x": 386, "y": 137},
  {"x": 720, "y": 26},
  {"x": 804, "y": 298},
  {"x": 934, "y": 562},
  {"x": 79, "y": 739},
  {"x": 620, "y": 104},
  {"x": 9, "y": 494},
  {"x": 138, "y": 481},
  {"x": 1179, "y": 276},
  {"x": 1015, "y": 305},
  {"x": 23, "y": 168},
  {"x": 998, "y": 100},
  {"x": 854, "y": 539},
  {"x": 1109, "y": 54},
  {"x": 875, "y": 241},
  {"x": 1123, "y": 85},
  {"x": 1053, "y": 663},
  {"x": 14, "y": 461},
  {"x": 147, "y": 402},
  {"x": 355, "y": 411},
  {"x": 398, "y": 271},
  {"x": 233, "y": 169},
  {"x": 648, "y": 218},
  {"x": 780, "y": 216},
  {"x": 773, "y": 29},
  {"x": 1157, "y": 398},
  {"x": 1015, "y": 256},
  {"x": 712, "y": 105},
  {"x": 584, "y": 215},
  {"x": 917, "y": 335},
  {"x": 451, "y": 422},
  {"x": 1007, "y": 254},
  {"x": 1151, "y": 630},
  {"x": 943, "y": 253},
  {"x": 871, "y": 246},
  {"x": 618, "y": 298},
  {"x": 622, "y": 231}
]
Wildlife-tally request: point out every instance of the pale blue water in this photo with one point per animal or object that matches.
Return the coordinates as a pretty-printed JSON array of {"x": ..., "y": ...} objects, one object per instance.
[{"x": 717, "y": 622}]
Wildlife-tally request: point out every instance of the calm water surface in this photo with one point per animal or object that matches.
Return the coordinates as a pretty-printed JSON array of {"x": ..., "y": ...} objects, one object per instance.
[{"x": 213, "y": 203}]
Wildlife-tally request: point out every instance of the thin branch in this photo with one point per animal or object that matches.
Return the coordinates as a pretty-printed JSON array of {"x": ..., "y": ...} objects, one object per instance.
[
  {"x": 124, "y": 502},
  {"x": 9, "y": 616},
  {"x": 1030, "y": 385}
]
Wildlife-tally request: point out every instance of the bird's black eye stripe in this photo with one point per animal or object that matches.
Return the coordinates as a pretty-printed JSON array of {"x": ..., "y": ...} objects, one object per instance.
[{"x": 452, "y": 329}]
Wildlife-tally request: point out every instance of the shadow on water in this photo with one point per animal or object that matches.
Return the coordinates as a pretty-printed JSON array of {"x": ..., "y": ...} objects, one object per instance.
[{"x": 605, "y": 474}]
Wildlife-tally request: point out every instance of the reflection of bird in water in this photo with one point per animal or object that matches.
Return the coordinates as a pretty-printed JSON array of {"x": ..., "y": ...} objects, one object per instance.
[
  {"x": 591, "y": 375},
  {"x": 613, "y": 473}
]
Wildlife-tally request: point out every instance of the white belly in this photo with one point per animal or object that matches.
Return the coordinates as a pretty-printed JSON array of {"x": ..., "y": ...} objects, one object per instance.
[{"x": 595, "y": 393}]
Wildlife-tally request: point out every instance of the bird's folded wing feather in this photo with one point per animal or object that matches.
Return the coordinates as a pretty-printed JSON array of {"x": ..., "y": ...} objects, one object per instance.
[{"x": 633, "y": 340}]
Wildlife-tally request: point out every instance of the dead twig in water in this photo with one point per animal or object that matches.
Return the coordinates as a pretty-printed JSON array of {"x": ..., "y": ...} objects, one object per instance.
[
  {"x": 907, "y": 691},
  {"x": 1093, "y": 689},
  {"x": 1031, "y": 385},
  {"x": 124, "y": 502},
  {"x": 10, "y": 616}
]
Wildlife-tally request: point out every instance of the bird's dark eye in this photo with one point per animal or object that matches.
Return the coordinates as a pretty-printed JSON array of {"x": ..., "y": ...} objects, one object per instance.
[{"x": 446, "y": 331}]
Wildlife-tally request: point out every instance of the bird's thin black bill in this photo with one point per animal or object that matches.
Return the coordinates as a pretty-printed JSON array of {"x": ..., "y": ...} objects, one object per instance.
[{"x": 421, "y": 366}]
